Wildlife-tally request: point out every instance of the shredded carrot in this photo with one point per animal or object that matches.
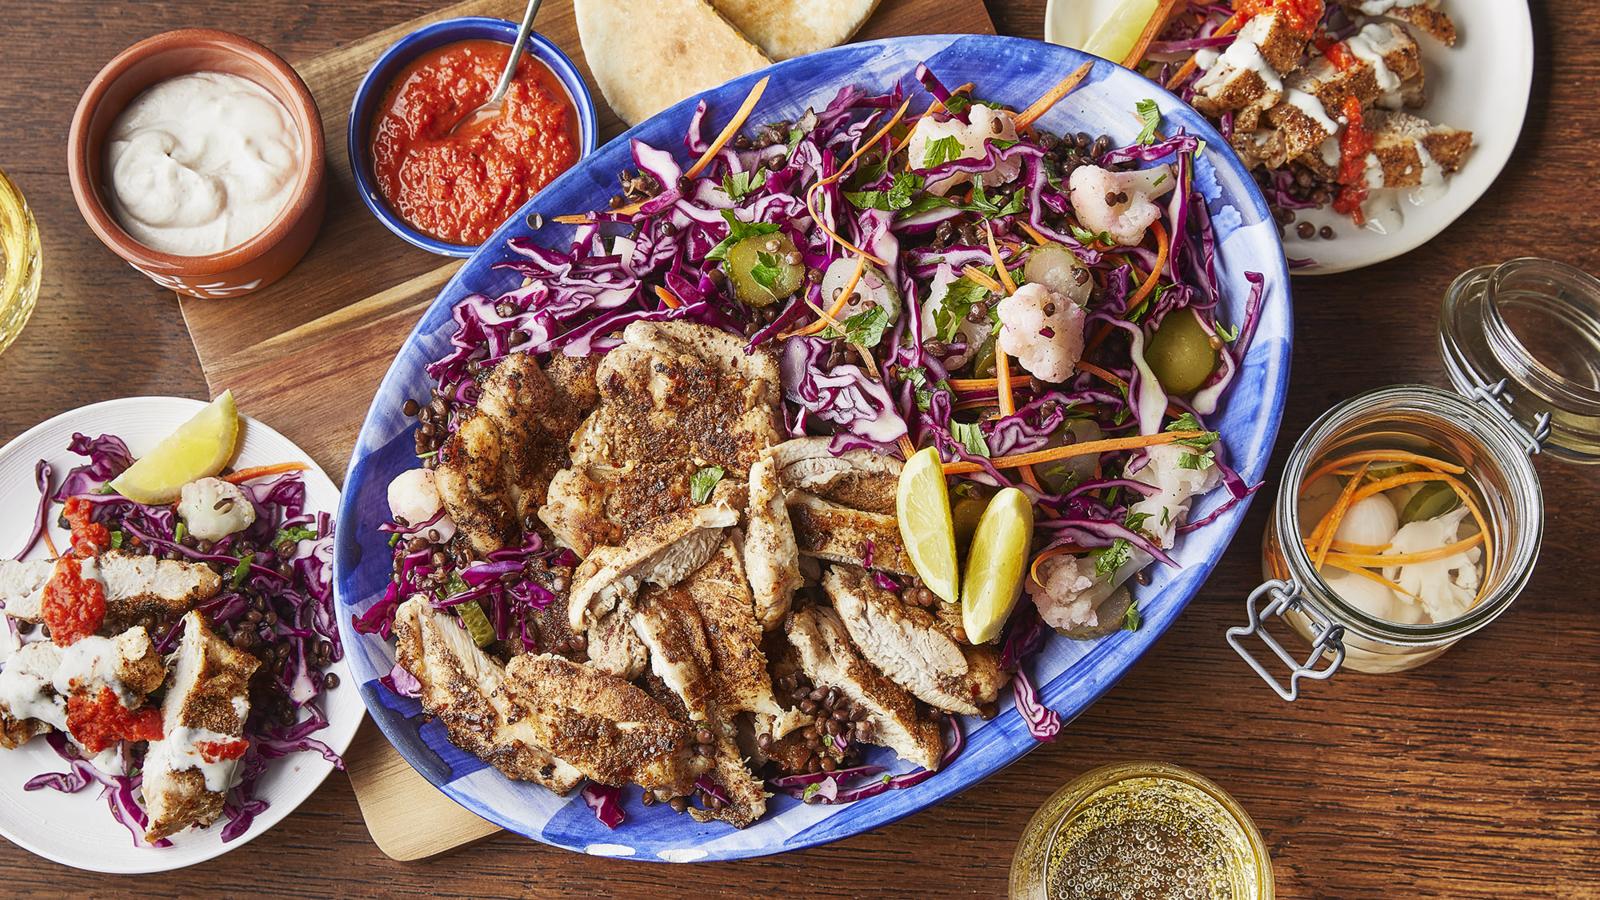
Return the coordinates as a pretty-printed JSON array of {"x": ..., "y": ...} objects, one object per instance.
[
  {"x": 1370, "y": 576},
  {"x": 1347, "y": 547},
  {"x": 1380, "y": 456},
  {"x": 1008, "y": 402},
  {"x": 573, "y": 218},
  {"x": 811, "y": 192},
  {"x": 1052, "y": 553},
  {"x": 255, "y": 472},
  {"x": 668, "y": 297},
  {"x": 988, "y": 384},
  {"x": 1109, "y": 445},
  {"x": 1322, "y": 535},
  {"x": 1380, "y": 560},
  {"x": 1006, "y": 280},
  {"x": 1163, "y": 247},
  {"x": 1187, "y": 69},
  {"x": 1053, "y": 96},
  {"x": 730, "y": 129},
  {"x": 907, "y": 449},
  {"x": 981, "y": 277},
  {"x": 1158, "y": 21},
  {"x": 1033, "y": 233},
  {"x": 831, "y": 317}
]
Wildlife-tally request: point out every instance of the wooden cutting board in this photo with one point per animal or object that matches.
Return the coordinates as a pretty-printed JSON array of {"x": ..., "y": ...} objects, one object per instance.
[{"x": 306, "y": 354}]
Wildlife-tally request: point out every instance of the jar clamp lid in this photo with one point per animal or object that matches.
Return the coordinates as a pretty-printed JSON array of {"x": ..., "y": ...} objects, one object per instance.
[{"x": 1521, "y": 343}]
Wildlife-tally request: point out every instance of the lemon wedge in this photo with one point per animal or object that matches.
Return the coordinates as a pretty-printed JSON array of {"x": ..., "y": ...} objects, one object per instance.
[
  {"x": 199, "y": 447},
  {"x": 1115, "y": 37},
  {"x": 996, "y": 564},
  {"x": 922, "y": 504}
]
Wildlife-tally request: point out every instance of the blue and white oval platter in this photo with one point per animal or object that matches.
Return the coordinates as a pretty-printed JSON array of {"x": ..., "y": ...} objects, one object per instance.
[{"x": 1072, "y": 675}]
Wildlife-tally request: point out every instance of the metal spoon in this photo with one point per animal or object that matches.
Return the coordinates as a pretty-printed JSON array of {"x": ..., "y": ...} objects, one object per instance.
[{"x": 490, "y": 109}]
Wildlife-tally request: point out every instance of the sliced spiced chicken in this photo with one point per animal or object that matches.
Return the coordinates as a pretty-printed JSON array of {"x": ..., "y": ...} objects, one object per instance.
[
  {"x": 39, "y": 678},
  {"x": 464, "y": 688},
  {"x": 494, "y": 472},
  {"x": 663, "y": 554},
  {"x": 206, "y": 705},
  {"x": 1425, "y": 15},
  {"x": 829, "y": 659},
  {"x": 139, "y": 589},
  {"x": 858, "y": 479},
  {"x": 771, "y": 556},
  {"x": 836, "y": 533},
  {"x": 614, "y": 646},
  {"x": 675, "y": 398},
  {"x": 746, "y": 797},
  {"x": 912, "y": 647},
  {"x": 1247, "y": 78},
  {"x": 611, "y": 731}
]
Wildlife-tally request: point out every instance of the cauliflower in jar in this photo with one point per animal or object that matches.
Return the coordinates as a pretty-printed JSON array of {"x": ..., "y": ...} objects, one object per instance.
[
  {"x": 212, "y": 509},
  {"x": 1447, "y": 587},
  {"x": 931, "y": 145},
  {"x": 1119, "y": 204},
  {"x": 1043, "y": 331},
  {"x": 414, "y": 497}
]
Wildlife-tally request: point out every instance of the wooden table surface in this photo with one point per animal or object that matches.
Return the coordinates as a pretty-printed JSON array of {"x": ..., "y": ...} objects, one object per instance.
[{"x": 1477, "y": 776}]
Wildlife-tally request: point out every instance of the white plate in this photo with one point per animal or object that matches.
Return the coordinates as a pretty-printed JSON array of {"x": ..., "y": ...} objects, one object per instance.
[
  {"x": 1481, "y": 85},
  {"x": 77, "y": 829}
]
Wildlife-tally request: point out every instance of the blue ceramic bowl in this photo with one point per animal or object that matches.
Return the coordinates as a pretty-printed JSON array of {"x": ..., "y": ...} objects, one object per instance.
[
  {"x": 396, "y": 58},
  {"x": 1071, "y": 675}
]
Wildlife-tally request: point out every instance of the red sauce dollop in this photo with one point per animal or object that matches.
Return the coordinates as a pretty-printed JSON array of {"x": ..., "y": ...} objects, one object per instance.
[
  {"x": 1353, "y": 149},
  {"x": 88, "y": 537},
  {"x": 460, "y": 187},
  {"x": 216, "y": 751},
  {"x": 73, "y": 607},
  {"x": 1302, "y": 16},
  {"x": 1337, "y": 53},
  {"x": 100, "y": 721}
]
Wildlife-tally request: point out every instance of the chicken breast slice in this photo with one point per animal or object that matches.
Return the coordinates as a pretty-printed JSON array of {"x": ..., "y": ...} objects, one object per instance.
[
  {"x": 858, "y": 479},
  {"x": 464, "y": 688},
  {"x": 494, "y": 472},
  {"x": 912, "y": 647},
  {"x": 139, "y": 589},
  {"x": 838, "y": 534},
  {"x": 608, "y": 729},
  {"x": 771, "y": 556},
  {"x": 207, "y": 701},
  {"x": 829, "y": 659},
  {"x": 39, "y": 677}
]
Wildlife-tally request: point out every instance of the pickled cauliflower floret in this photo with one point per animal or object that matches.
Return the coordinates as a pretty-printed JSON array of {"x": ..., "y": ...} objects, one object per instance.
[
  {"x": 985, "y": 124},
  {"x": 1446, "y": 587},
  {"x": 1068, "y": 593},
  {"x": 1120, "y": 204},
  {"x": 414, "y": 497},
  {"x": 1176, "y": 487},
  {"x": 1043, "y": 331},
  {"x": 212, "y": 509},
  {"x": 1371, "y": 597}
]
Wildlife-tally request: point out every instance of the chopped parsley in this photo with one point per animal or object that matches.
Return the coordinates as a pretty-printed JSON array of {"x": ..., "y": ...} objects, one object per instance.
[
  {"x": 942, "y": 151},
  {"x": 703, "y": 482},
  {"x": 1135, "y": 521},
  {"x": 766, "y": 271},
  {"x": 922, "y": 392},
  {"x": 1150, "y": 115},
  {"x": 989, "y": 208},
  {"x": 738, "y": 230},
  {"x": 898, "y": 197},
  {"x": 241, "y": 572},
  {"x": 116, "y": 540},
  {"x": 971, "y": 437},
  {"x": 738, "y": 185},
  {"x": 865, "y": 328},
  {"x": 1131, "y": 620},
  {"x": 957, "y": 104},
  {"x": 295, "y": 534},
  {"x": 958, "y": 300},
  {"x": 1085, "y": 236},
  {"x": 1107, "y": 560},
  {"x": 1187, "y": 422}
]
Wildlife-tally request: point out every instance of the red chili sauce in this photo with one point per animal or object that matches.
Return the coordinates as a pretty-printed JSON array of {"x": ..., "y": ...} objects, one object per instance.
[
  {"x": 100, "y": 721},
  {"x": 1337, "y": 53},
  {"x": 459, "y": 187},
  {"x": 88, "y": 536},
  {"x": 73, "y": 606},
  {"x": 217, "y": 751},
  {"x": 1354, "y": 146},
  {"x": 1302, "y": 16}
]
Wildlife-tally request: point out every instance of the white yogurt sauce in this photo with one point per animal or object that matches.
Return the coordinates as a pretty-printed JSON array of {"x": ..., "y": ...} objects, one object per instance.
[
  {"x": 87, "y": 665},
  {"x": 201, "y": 163},
  {"x": 179, "y": 749},
  {"x": 26, "y": 691}
]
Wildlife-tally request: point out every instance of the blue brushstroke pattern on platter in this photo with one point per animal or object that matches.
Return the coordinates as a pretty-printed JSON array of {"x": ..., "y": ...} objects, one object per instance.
[{"x": 1072, "y": 675}]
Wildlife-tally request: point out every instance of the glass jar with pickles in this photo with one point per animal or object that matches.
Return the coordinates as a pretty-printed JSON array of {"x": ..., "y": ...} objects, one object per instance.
[{"x": 1410, "y": 517}]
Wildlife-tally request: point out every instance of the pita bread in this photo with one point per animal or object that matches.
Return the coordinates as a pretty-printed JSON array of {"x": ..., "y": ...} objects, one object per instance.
[
  {"x": 789, "y": 28},
  {"x": 648, "y": 54}
]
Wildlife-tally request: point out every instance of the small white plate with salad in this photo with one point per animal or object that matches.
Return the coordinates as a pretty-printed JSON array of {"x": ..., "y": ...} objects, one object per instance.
[{"x": 67, "y": 805}]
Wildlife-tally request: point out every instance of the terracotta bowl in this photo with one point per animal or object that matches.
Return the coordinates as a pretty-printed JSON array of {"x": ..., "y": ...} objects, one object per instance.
[{"x": 258, "y": 261}]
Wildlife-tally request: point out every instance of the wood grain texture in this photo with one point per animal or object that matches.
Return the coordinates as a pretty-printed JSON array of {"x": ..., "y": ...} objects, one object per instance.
[{"x": 1475, "y": 777}]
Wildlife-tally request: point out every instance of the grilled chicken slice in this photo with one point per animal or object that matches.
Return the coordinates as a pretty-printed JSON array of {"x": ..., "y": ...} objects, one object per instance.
[
  {"x": 39, "y": 677},
  {"x": 464, "y": 688},
  {"x": 835, "y": 533},
  {"x": 614, "y": 647},
  {"x": 668, "y": 623},
  {"x": 139, "y": 589},
  {"x": 207, "y": 702},
  {"x": 829, "y": 659},
  {"x": 494, "y": 472},
  {"x": 859, "y": 479},
  {"x": 608, "y": 729},
  {"x": 662, "y": 554},
  {"x": 1408, "y": 151},
  {"x": 1426, "y": 16},
  {"x": 913, "y": 647},
  {"x": 747, "y": 797},
  {"x": 1247, "y": 78},
  {"x": 772, "y": 558},
  {"x": 29, "y": 704}
]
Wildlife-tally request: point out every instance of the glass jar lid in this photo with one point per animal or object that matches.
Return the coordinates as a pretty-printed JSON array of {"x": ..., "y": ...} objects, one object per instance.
[{"x": 1528, "y": 331}]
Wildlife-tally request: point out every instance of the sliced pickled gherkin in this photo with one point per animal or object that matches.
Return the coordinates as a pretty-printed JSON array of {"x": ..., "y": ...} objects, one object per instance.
[
  {"x": 1181, "y": 353},
  {"x": 968, "y": 500},
  {"x": 764, "y": 268},
  {"x": 1434, "y": 500},
  {"x": 983, "y": 360},
  {"x": 476, "y": 622}
]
